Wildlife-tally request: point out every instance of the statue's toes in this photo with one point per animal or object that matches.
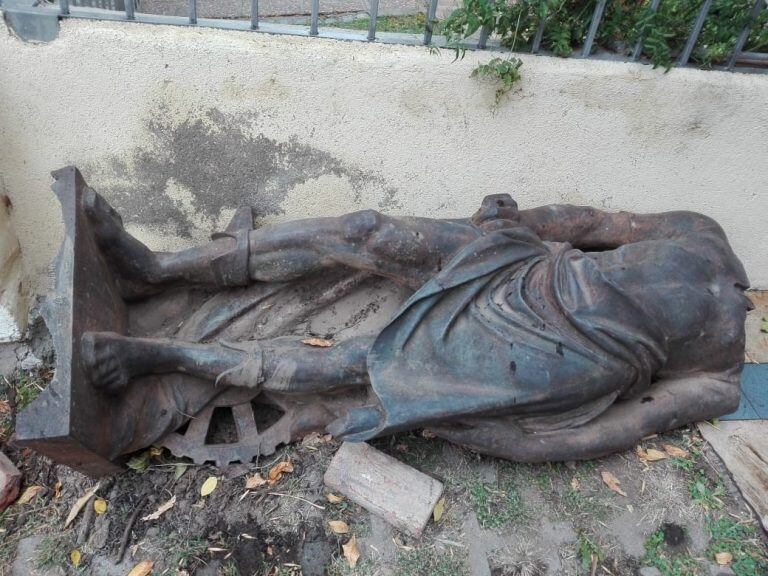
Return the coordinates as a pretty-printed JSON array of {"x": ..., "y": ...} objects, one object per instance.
[
  {"x": 105, "y": 219},
  {"x": 101, "y": 362}
]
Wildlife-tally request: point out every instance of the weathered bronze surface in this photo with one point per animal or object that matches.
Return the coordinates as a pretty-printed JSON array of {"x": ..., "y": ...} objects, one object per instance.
[{"x": 555, "y": 333}]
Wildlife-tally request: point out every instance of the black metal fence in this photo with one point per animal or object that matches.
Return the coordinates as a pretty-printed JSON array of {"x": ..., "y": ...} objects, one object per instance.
[{"x": 127, "y": 10}]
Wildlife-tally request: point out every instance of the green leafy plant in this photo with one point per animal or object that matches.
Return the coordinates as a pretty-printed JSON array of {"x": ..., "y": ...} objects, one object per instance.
[
  {"x": 666, "y": 562},
  {"x": 664, "y": 32},
  {"x": 504, "y": 71},
  {"x": 740, "y": 540},
  {"x": 495, "y": 506},
  {"x": 705, "y": 493},
  {"x": 589, "y": 551}
]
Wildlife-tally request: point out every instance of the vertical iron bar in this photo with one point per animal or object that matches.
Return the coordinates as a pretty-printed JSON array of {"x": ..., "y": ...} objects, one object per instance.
[
  {"x": 431, "y": 13},
  {"x": 485, "y": 31},
  {"x": 254, "y": 14},
  {"x": 742, "y": 39},
  {"x": 639, "y": 46},
  {"x": 539, "y": 35},
  {"x": 315, "y": 17},
  {"x": 597, "y": 16},
  {"x": 130, "y": 10},
  {"x": 694, "y": 36},
  {"x": 193, "y": 11},
  {"x": 374, "y": 18},
  {"x": 64, "y": 7}
]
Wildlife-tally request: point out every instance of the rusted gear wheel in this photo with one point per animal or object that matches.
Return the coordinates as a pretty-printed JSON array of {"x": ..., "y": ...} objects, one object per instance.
[{"x": 251, "y": 442}]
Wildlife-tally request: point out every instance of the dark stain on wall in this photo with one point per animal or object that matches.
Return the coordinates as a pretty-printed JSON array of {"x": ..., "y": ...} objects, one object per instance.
[{"x": 221, "y": 162}]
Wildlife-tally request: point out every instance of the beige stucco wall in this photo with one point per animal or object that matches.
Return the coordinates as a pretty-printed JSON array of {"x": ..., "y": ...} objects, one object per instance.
[{"x": 178, "y": 126}]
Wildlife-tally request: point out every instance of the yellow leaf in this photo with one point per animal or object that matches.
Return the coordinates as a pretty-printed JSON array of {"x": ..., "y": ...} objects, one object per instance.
[
  {"x": 723, "y": 558},
  {"x": 75, "y": 557},
  {"x": 334, "y": 498},
  {"x": 162, "y": 509},
  {"x": 612, "y": 482},
  {"x": 650, "y": 455},
  {"x": 653, "y": 455},
  {"x": 100, "y": 505},
  {"x": 437, "y": 513},
  {"x": 143, "y": 568},
  {"x": 78, "y": 505},
  {"x": 575, "y": 485},
  {"x": 278, "y": 470},
  {"x": 339, "y": 527},
  {"x": 321, "y": 342},
  {"x": 154, "y": 451},
  {"x": 209, "y": 485},
  {"x": 674, "y": 451},
  {"x": 29, "y": 494},
  {"x": 351, "y": 552},
  {"x": 253, "y": 482}
]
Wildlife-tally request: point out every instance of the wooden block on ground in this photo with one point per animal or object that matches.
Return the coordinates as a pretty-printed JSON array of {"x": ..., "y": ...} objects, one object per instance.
[
  {"x": 10, "y": 480},
  {"x": 384, "y": 486},
  {"x": 743, "y": 447}
]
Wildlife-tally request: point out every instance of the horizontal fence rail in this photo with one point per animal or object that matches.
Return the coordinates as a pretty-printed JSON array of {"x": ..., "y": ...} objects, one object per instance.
[{"x": 484, "y": 40}]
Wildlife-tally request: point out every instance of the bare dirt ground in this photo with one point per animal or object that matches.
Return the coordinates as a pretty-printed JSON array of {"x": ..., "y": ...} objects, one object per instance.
[{"x": 500, "y": 518}]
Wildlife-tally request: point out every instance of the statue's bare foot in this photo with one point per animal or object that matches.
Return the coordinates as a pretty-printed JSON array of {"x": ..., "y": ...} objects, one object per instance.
[
  {"x": 107, "y": 360},
  {"x": 135, "y": 266}
]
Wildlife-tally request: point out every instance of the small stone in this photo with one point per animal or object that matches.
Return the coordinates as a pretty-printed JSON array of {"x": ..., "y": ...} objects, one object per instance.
[
  {"x": 716, "y": 570},
  {"x": 100, "y": 533},
  {"x": 10, "y": 480},
  {"x": 649, "y": 571},
  {"x": 30, "y": 362}
]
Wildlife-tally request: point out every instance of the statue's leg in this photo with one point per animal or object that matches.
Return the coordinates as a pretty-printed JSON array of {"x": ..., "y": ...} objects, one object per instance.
[
  {"x": 408, "y": 250},
  {"x": 282, "y": 364},
  {"x": 667, "y": 405}
]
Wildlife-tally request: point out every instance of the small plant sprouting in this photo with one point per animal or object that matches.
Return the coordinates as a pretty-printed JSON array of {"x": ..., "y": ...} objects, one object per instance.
[{"x": 504, "y": 71}]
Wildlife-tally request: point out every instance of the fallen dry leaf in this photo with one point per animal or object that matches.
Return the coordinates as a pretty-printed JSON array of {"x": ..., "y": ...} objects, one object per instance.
[
  {"x": 339, "y": 527},
  {"x": 334, "y": 498},
  {"x": 674, "y": 451},
  {"x": 209, "y": 485},
  {"x": 650, "y": 455},
  {"x": 428, "y": 434},
  {"x": 439, "y": 509},
  {"x": 255, "y": 481},
  {"x": 653, "y": 455},
  {"x": 313, "y": 439},
  {"x": 277, "y": 471},
  {"x": 351, "y": 552},
  {"x": 162, "y": 509},
  {"x": 100, "y": 506},
  {"x": 143, "y": 568},
  {"x": 155, "y": 452},
  {"x": 29, "y": 494},
  {"x": 723, "y": 558},
  {"x": 75, "y": 556},
  {"x": 5, "y": 408},
  {"x": 575, "y": 485},
  {"x": 612, "y": 482},
  {"x": 320, "y": 342},
  {"x": 80, "y": 503},
  {"x": 57, "y": 490}
]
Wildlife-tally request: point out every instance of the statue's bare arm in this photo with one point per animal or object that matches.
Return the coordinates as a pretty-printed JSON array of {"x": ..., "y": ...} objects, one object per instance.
[{"x": 668, "y": 404}]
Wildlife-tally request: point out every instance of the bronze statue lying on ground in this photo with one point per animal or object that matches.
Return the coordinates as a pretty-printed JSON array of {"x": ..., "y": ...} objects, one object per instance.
[{"x": 554, "y": 333}]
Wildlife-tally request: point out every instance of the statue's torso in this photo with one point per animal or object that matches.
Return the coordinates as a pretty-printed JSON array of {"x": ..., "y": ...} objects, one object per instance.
[{"x": 694, "y": 289}]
